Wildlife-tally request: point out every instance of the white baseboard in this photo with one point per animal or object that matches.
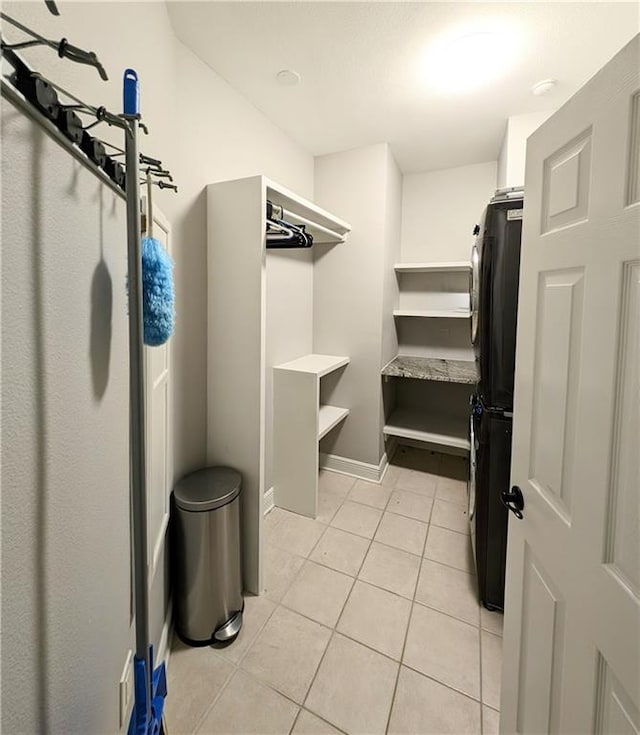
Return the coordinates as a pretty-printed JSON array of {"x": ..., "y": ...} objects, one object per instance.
[
  {"x": 164, "y": 645},
  {"x": 269, "y": 501},
  {"x": 355, "y": 468}
]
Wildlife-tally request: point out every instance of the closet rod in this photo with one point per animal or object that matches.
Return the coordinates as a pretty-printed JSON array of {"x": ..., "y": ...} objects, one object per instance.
[{"x": 310, "y": 223}]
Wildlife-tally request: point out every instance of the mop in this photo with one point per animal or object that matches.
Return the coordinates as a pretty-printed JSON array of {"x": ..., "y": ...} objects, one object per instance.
[
  {"x": 157, "y": 284},
  {"x": 150, "y": 686}
]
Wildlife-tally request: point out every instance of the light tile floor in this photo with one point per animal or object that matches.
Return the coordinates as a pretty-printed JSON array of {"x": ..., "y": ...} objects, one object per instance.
[{"x": 369, "y": 622}]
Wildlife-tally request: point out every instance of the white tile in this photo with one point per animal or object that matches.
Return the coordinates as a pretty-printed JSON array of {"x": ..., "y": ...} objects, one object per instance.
[
  {"x": 411, "y": 505},
  {"x": 452, "y": 490},
  {"x": 491, "y": 669},
  {"x": 334, "y": 482},
  {"x": 319, "y": 593},
  {"x": 449, "y": 590},
  {"x": 390, "y": 476},
  {"x": 450, "y": 515},
  {"x": 297, "y": 534},
  {"x": 402, "y": 533},
  {"x": 391, "y": 569},
  {"x": 287, "y": 652},
  {"x": 280, "y": 569},
  {"x": 257, "y": 610},
  {"x": 490, "y": 721},
  {"x": 272, "y": 519},
  {"x": 195, "y": 677},
  {"x": 421, "y": 483},
  {"x": 247, "y": 707},
  {"x": 445, "y": 649},
  {"x": 341, "y": 550},
  {"x": 308, "y": 724},
  {"x": 359, "y": 519},
  {"x": 354, "y": 688},
  {"x": 328, "y": 504},
  {"x": 424, "y": 707},
  {"x": 491, "y": 621},
  {"x": 376, "y": 618},
  {"x": 449, "y": 547},
  {"x": 370, "y": 493}
]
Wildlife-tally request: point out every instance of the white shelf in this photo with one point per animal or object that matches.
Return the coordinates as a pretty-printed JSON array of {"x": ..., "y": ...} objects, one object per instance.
[
  {"x": 445, "y": 431},
  {"x": 319, "y": 365},
  {"x": 329, "y": 417},
  {"x": 324, "y": 226},
  {"x": 452, "y": 267},
  {"x": 299, "y": 422},
  {"x": 457, "y": 313}
]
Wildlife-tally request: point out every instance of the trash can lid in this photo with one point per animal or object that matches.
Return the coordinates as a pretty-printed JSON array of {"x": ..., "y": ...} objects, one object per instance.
[{"x": 207, "y": 489}]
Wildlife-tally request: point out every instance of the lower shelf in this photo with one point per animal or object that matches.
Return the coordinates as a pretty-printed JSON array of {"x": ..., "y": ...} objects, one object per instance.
[
  {"x": 446, "y": 431},
  {"x": 328, "y": 417}
]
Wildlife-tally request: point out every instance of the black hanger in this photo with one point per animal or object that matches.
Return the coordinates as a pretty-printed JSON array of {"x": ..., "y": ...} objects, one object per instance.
[{"x": 63, "y": 47}]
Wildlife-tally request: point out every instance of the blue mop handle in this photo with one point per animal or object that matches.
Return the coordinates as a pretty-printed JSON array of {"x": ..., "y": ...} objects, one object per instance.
[{"x": 131, "y": 93}]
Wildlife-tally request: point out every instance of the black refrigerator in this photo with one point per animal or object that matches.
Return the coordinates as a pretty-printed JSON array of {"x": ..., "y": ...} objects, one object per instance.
[{"x": 495, "y": 269}]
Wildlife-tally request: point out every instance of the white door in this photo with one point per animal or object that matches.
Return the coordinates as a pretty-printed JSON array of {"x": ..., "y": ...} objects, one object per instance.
[
  {"x": 572, "y": 629},
  {"x": 158, "y": 418}
]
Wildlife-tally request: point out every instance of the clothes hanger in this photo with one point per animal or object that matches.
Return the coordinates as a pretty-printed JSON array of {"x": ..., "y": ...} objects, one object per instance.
[{"x": 63, "y": 47}]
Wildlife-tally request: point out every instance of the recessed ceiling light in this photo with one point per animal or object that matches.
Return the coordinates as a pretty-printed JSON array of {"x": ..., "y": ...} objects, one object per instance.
[
  {"x": 288, "y": 77},
  {"x": 546, "y": 85},
  {"x": 471, "y": 60}
]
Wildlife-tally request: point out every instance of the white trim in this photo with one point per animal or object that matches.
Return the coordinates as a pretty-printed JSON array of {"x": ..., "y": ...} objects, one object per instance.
[
  {"x": 269, "y": 503},
  {"x": 355, "y": 468},
  {"x": 164, "y": 645}
]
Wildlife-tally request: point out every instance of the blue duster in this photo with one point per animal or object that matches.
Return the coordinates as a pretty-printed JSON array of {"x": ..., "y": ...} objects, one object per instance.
[{"x": 158, "y": 301}]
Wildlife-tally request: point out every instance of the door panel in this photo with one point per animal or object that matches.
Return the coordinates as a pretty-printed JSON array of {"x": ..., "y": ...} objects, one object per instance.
[
  {"x": 573, "y": 573},
  {"x": 559, "y": 328},
  {"x": 623, "y": 547},
  {"x": 541, "y": 628},
  {"x": 565, "y": 193},
  {"x": 615, "y": 713}
]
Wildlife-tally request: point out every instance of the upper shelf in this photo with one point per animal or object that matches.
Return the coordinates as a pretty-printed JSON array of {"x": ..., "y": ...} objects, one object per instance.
[
  {"x": 318, "y": 364},
  {"x": 324, "y": 226},
  {"x": 453, "y": 267},
  {"x": 453, "y": 313},
  {"x": 432, "y": 368}
]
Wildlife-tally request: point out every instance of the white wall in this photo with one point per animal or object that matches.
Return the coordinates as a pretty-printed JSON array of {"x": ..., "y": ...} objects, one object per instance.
[
  {"x": 66, "y": 675},
  {"x": 511, "y": 162},
  {"x": 440, "y": 208},
  {"x": 359, "y": 186}
]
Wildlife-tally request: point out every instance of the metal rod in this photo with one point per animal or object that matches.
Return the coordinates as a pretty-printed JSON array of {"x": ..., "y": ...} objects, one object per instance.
[
  {"x": 16, "y": 99},
  {"x": 137, "y": 403}
]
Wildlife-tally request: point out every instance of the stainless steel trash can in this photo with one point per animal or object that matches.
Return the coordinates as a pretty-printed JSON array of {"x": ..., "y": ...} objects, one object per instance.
[{"x": 207, "y": 579}]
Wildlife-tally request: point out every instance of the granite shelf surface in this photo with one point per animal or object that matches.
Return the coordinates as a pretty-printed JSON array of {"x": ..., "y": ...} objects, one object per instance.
[{"x": 432, "y": 368}]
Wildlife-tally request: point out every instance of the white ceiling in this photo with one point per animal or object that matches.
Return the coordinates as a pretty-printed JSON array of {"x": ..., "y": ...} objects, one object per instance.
[{"x": 362, "y": 77}]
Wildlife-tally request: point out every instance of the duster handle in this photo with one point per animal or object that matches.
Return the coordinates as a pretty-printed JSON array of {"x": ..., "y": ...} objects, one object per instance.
[{"x": 149, "y": 206}]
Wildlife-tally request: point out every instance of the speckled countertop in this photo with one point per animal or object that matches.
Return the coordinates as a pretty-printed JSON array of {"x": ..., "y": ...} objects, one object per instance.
[{"x": 431, "y": 368}]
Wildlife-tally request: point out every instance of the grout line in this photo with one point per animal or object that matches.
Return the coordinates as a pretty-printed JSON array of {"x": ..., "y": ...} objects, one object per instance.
[
  {"x": 217, "y": 696},
  {"x": 448, "y": 614},
  {"x": 406, "y": 632}
]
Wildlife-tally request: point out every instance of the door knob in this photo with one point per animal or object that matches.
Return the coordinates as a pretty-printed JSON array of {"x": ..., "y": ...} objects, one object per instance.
[{"x": 513, "y": 501}]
